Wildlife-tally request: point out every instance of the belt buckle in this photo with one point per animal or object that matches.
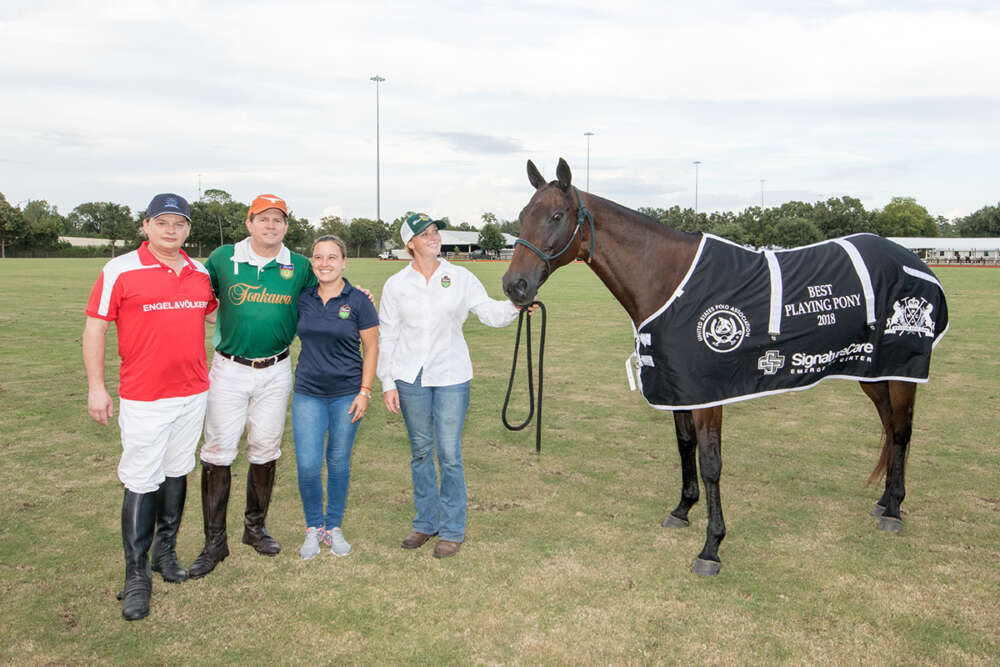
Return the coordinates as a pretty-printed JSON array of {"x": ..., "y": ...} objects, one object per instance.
[{"x": 259, "y": 363}]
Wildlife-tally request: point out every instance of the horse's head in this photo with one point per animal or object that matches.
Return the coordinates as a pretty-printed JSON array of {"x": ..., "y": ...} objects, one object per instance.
[{"x": 549, "y": 238}]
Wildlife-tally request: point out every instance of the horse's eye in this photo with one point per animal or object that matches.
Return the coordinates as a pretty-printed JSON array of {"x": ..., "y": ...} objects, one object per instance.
[{"x": 557, "y": 216}]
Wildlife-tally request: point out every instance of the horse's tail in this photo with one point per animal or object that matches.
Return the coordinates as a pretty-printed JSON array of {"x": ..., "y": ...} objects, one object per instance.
[{"x": 884, "y": 459}]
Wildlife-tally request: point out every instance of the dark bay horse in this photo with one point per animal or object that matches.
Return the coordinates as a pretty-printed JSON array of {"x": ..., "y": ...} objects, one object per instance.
[{"x": 643, "y": 262}]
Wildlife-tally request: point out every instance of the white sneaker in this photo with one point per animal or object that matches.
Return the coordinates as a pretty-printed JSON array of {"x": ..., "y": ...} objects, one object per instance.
[
  {"x": 338, "y": 545},
  {"x": 311, "y": 546}
]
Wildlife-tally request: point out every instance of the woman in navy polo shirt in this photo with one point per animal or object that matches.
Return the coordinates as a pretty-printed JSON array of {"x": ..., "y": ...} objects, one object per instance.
[{"x": 333, "y": 385}]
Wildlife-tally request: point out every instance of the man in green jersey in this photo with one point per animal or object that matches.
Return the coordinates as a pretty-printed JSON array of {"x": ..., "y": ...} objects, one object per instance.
[{"x": 257, "y": 282}]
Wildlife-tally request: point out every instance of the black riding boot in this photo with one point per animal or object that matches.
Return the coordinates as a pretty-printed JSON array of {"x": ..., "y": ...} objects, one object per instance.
[
  {"x": 138, "y": 522},
  {"x": 214, "y": 502},
  {"x": 260, "y": 483},
  {"x": 169, "y": 508}
]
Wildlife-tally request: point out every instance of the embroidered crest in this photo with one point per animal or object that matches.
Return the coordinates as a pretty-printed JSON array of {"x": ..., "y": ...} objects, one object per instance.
[
  {"x": 446, "y": 281},
  {"x": 911, "y": 315},
  {"x": 287, "y": 271},
  {"x": 722, "y": 328},
  {"x": 772, "y": 362},
  {"x": 344, "y": 312}
]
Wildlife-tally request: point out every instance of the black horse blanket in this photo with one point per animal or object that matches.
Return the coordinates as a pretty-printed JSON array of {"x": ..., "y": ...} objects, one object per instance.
[{"x": 744, "y": 324}]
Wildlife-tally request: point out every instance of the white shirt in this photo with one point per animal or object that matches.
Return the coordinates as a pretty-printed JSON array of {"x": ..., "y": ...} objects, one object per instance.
[{"x": 420, "y": 325}]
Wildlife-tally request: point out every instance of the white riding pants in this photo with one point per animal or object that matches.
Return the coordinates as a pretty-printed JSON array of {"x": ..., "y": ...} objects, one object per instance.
[
  {"x": 159, "y": 439},
  {"x": 240, "y": 396}
]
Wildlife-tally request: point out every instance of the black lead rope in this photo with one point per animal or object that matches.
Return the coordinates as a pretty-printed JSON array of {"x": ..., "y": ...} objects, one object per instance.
[{"x": 531, "y": 387}]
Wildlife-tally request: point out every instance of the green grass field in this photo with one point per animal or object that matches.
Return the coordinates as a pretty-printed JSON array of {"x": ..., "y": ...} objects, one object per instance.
[{"x": 565, "y": 560}]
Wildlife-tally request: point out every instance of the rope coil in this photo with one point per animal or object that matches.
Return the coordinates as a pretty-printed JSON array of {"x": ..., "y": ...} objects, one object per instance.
[{"x": 531, "y": 386}]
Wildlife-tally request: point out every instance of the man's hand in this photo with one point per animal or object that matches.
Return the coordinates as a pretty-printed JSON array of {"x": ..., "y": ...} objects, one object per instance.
[
  {"x": 365, "y": 292},
  {"x": 100, "y": 406}
]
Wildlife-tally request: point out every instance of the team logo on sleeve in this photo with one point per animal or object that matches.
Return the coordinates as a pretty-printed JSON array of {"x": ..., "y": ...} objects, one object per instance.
[
  {"x": 287, "y": 271},
  {"x": 344, "y": 312},
  {"x": 446, "y": 281}
]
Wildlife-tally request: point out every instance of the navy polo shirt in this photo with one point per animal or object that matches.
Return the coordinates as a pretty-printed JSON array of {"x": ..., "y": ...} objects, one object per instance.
[{"x": 330, "y": 360}]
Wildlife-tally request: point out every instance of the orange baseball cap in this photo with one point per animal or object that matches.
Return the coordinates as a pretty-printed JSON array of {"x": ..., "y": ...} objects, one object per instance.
[{"x": 264, "y": 202}]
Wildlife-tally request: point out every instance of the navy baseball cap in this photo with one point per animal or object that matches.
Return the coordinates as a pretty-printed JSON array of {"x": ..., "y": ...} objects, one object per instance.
[{"x": 168, "y": 203}]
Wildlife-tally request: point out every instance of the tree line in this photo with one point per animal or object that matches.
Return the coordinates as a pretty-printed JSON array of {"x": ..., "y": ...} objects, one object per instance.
[{"x": 216, "y": 219}]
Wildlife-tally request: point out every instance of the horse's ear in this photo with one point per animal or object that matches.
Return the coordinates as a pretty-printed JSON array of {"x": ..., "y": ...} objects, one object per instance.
[
  {"x": 563, "y": 174},
  {"x": 534, "y": 176}
]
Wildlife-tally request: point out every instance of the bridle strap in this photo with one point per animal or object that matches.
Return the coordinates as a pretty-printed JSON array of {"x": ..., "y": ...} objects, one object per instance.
[{"x": 582, "y": 214}]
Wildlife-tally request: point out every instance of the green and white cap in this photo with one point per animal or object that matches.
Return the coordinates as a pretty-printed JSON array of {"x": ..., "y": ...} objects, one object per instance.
[{"x": 416, "y": 223}]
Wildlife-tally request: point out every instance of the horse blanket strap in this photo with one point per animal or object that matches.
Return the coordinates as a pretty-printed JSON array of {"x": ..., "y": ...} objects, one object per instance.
[{"x": 744, "y": 324}]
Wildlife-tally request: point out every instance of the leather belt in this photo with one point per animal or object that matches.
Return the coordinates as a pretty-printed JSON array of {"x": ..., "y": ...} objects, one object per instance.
[{"x": 257, "y": 363}]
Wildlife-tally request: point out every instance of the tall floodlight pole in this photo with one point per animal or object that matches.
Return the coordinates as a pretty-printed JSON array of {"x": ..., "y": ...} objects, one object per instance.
[
  {"x": 588, "y": 135},
  {"x": 378, "y": 152},
  {"x": 696, "y": 163},
  {"x": 762, "y": 193}
]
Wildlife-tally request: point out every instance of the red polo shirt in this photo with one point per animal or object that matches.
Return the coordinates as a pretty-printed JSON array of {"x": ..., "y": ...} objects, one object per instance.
[{"x": 160, "y": 317}]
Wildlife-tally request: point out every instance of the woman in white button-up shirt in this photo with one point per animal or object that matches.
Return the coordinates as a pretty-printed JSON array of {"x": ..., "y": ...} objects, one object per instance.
[{"x": 425, "y": 369}]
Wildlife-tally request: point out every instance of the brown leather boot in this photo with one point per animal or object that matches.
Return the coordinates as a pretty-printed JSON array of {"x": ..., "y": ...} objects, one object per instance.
[
  {"x": 215, "y": 481},
  {"x": 260, "y": 483},
  {"x": 445, "y": 549},
  {"x": 415, "y": 540}
]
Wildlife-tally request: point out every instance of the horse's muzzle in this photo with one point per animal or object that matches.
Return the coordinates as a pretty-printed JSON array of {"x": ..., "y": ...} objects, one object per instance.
[{"x": 518, "y": 290}]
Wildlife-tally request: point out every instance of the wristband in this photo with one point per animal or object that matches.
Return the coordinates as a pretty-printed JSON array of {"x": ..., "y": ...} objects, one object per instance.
[{"x": 367, "y": 393}]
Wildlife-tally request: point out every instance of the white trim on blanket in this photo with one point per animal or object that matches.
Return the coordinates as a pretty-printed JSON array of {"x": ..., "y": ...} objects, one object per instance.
[
  {"x": 748, "y": 397},
  {"x": 866, "y": 280}
]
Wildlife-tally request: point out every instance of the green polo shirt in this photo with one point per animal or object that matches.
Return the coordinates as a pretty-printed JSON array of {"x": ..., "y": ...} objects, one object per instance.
[{"x": 258, "y": 307}]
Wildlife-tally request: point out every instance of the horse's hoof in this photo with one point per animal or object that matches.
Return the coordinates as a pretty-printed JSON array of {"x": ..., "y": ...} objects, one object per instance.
[
  {"x": 890, "y": 525},
  {"x": 673, "y": 522},
  {"x": 878, "y": 510},
  {"x": 706, "y": 568}
]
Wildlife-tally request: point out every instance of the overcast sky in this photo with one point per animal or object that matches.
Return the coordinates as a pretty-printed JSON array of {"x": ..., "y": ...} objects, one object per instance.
[{"x": 116, "y": 101}]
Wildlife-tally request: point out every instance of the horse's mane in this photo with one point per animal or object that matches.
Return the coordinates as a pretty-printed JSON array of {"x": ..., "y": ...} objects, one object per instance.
[{"x": 649, "y": 224}]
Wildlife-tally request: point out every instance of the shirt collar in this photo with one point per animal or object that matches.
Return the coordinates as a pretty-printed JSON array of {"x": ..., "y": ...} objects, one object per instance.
[
  {"x": 147, "y": 257},
  {"x": 241, "y": 253},
  {"x": 348, "y": 288},
  {"x": 442, "y": 265}
]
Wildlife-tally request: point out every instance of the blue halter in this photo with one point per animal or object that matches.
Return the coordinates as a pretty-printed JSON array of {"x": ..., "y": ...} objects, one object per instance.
[{"x": 581, "y": 214}]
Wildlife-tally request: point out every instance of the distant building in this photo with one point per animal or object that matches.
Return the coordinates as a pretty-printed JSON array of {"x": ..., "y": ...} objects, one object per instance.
[
  {"x": 953, "y": 250},
  {"x": 86, "y": 241},
  {"x": 458, "y": 244}
]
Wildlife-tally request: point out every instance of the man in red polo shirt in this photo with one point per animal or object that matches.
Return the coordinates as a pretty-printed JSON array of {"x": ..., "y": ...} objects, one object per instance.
[{"x": 159, "y": 299}]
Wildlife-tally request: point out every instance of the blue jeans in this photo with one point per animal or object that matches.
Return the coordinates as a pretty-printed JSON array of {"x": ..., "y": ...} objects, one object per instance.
[
  {"x": 312, "y": 419},
  {"x": 436, "y": 414}
]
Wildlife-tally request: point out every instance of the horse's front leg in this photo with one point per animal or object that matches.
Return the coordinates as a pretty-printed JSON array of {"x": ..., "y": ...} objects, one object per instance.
[
  {"x": 687, "y": 441},
  {"x": 708, "y": 426}
]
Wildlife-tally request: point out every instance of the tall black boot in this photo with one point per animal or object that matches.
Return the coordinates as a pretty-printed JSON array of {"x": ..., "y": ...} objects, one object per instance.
[
  {"x": 138, "y": 522},
  {"x": 169, "y": 508},
  {"x": 214, "y": 502},
  {"x": 260, "y": 483}
]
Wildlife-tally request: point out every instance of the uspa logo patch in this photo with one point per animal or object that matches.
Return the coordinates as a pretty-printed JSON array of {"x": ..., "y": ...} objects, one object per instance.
[
  {"x": 723, "y": 328},
  {"x": 344, "y": 312},
  {"x": 911, "y": 315},
  {"x": 446, "y": 281},
  {"x": 287, "y": 271}
]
